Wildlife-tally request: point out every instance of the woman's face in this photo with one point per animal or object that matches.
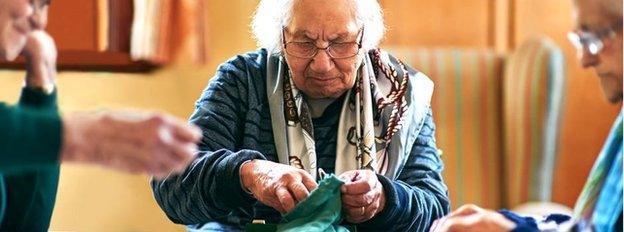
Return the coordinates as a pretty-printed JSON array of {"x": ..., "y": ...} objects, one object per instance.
[
  {"x": 591, "y": 16},
  {"x": 17, "y": 19},
  {"x": 323, "y": 22}
]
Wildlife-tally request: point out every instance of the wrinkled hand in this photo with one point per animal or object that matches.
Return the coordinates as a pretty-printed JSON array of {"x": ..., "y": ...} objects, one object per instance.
[
  {"x": 131, "y": 141},
  {"x": 40, "y": 54},
  {"x": 472, "y": 218},
  {"x": 363, "y": 196},
  {"x": 277, "y": 185}
]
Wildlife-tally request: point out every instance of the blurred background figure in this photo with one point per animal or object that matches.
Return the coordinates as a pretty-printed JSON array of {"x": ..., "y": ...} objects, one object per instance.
[
  {"x": 35, "y": 139},
  {"x": 598, "y": 38}
]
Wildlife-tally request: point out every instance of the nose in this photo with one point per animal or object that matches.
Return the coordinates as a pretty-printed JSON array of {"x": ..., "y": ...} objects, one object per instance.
[
  {"x": 587, "y": 59},
  {"x": 321, "y": 62},
  {"x": 39, "y": 18}
]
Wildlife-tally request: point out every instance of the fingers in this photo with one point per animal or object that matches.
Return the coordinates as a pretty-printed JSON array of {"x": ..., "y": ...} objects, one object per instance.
[
  {"x": 308, "y": 181},
  {"x": 276, "y": 185},
  {"x": 183, "y": 154},
  {"x": 464, "y": 223},
  {"x": 172, "y": 142},
  {"x": 131, "y": 141},
  {"x": 362, "y": 182},
  {"x": 40, "y": 45},
  {"x": 465, "y": 210},
  {"x": 187, "y": 132},
  {"x": 361, "y": 199},
  {"x": 362, "y": 213},
  {"x": 40, "y": 54},
  {"x": 435, "y": 224},
  {"x": 295, "y": 191},
  {"x": 285, "y": 199},
  {"x": 348, "y": 176},
  {"x": 352, "y": 214},
  {"x": 472, "y": 218},
  {"x": 361, "y": 195},
  {"x": 299, "y": 191}
]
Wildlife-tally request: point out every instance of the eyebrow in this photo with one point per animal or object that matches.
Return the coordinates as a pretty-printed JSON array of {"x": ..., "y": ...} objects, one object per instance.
[{"x": 305, "y": 33}]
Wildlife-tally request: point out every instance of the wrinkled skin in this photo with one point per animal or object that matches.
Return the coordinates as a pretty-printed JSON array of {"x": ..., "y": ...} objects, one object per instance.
[
  {"x": 277, "y": 185},
  {"x": 362, "y": 195}
]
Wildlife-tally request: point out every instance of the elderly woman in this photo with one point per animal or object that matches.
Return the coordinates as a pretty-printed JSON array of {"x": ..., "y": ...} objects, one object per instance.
[
  {"x": 598, "y": 39},
  {"x": 319, "y": 95}
]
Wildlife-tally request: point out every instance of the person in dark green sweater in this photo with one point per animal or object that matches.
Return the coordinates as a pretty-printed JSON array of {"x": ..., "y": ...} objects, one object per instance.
[{"x": 35, "y": 138}]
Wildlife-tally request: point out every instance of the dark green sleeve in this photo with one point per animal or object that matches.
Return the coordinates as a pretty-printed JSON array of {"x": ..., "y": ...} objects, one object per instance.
[{"x": 30, "y": 133}]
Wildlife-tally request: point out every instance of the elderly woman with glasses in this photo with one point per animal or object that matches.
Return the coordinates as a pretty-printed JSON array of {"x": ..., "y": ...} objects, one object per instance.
[
  {"x": 319, "y": 95},
  {"x": 598, "y": 39}
]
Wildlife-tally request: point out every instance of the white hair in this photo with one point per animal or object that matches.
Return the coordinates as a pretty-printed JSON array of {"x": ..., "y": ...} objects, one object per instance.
[{"x": 272, "y": 15}]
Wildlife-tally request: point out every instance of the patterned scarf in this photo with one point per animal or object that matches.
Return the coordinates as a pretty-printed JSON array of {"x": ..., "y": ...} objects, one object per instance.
[
  {"x": 600, "y": 201},
  {"x": 368, "y": 119}
]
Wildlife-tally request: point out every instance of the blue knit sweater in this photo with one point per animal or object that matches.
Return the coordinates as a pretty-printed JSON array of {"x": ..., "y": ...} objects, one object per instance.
[{"x": 234, "y": 116}]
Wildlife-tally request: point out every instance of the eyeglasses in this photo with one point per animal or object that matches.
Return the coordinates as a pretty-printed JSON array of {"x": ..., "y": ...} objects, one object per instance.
[
  {"x": 308, "y": 50},
  {"x": 592, "y": 41}
]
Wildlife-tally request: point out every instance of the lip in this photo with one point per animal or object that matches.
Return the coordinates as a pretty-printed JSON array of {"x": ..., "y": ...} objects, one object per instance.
[{"x": 322, "y": 79}]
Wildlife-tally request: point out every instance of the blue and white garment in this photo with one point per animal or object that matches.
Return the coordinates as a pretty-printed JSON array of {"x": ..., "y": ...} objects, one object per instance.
[{"x": 599, "y": 207}]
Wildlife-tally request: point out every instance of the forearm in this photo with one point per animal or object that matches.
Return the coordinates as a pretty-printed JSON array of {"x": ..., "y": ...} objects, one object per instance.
[{"x": 208, "y": 190}]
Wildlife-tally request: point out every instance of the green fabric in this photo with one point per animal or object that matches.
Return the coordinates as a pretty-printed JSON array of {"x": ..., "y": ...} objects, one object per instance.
[
  {"x": 30, "y": 143},
  {"x": 321, "y": 211}
]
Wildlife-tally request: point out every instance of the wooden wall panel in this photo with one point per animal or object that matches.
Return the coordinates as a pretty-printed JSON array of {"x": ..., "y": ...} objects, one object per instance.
[
  {"x": 587, "y": 116},
  {"x": 437, "y": 23},
  {"x": 72, "y": 24}
]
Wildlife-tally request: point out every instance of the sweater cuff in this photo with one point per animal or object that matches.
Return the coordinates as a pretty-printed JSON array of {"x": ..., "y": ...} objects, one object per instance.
[
  {"x": 391, "y": 209},
  {"x": 523, "y": 224},
  {"x": 228, "y": 177},
  {"x": 38, "y": 99},
  {"x": 30, "y": 139}
]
